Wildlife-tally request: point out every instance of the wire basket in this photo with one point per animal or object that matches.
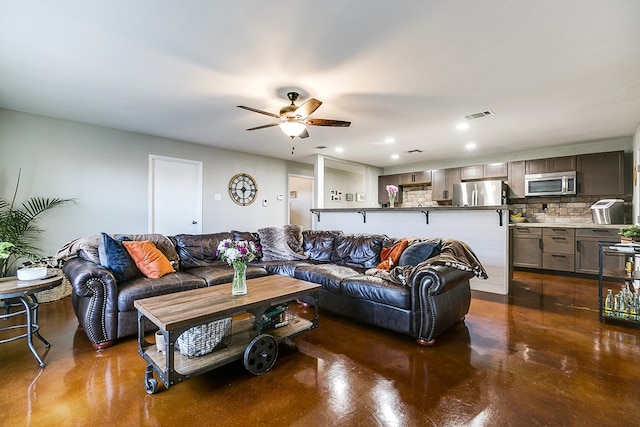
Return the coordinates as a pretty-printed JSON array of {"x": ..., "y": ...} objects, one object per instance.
[{"x": 204, "y": 339}]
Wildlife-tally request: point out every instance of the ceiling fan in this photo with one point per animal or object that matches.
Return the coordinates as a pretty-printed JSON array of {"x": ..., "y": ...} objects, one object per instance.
[{"x": 293, "y": 120}]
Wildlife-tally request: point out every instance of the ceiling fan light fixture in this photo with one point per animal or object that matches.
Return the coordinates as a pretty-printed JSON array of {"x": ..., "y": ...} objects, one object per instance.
[{"x": 292, "y": 128}]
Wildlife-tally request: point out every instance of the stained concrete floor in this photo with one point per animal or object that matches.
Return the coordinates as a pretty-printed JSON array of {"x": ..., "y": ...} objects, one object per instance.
[{"x": 536, "y": 357}]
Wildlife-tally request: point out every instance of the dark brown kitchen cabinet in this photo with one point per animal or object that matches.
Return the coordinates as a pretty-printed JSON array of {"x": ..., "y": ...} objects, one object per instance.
[
  {"x": 495, "y": 170},
  {"x": 558, "y": 249},
  {"x": 383, "y": 181},
  {"x": 488, "y": 171},
  {"x": 552, "y": 164},
  {"x": 515, "y": 179},
  {"x": 471, "y": 172},
  {"x": 442, "y": 181},
  {"x": 414, "y": 178},
  {"x": 601, "y": 174},
  {"x": 527, "y": 247},
  {"x": 587, "y": 247}
]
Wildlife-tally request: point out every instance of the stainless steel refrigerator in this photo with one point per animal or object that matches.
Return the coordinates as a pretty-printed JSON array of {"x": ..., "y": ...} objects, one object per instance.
[{"x": 479, "y": 193}]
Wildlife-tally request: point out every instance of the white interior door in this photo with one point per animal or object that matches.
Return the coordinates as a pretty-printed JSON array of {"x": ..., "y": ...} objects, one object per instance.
[
  {"x": 300, "y": 200},
  {"x": 175, "y": 196}
]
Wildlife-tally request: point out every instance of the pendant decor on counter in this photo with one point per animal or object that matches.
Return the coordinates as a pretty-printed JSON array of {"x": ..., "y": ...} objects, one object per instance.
[{"x": 392, "y": 191}]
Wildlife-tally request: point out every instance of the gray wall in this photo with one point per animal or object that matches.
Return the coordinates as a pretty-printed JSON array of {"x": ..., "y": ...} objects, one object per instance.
[{"x": 106, "y": 172}]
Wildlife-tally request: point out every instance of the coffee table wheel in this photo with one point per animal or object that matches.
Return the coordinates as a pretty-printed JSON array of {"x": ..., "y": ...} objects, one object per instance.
[
  {"x": 150, "y": 383},
  {"x": 260, "y": 354}
]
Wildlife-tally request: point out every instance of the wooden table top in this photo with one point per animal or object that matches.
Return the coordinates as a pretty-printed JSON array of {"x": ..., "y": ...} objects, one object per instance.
[
  {"x": 11, "y": 287},
  {"x": 187, "y": 308}
]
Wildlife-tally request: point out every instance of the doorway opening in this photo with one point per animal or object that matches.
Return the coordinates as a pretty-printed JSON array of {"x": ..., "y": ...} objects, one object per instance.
[{"x": 301, "y": 200}]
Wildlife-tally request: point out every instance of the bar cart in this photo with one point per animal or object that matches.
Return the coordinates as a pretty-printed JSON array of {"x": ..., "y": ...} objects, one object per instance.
[{"x": 617, "y": 265}]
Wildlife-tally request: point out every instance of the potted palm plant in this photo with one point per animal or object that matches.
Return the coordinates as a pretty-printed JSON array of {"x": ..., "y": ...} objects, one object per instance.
[{"x": 18, "y": 228}]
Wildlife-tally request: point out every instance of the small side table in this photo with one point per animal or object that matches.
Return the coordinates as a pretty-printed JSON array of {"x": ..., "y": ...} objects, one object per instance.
[{"x": 20, "y": 293}]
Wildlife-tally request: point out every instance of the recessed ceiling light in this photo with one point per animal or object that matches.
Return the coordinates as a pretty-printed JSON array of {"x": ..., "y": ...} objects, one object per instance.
[
  {"x": 339, "y": 149},
  {"x": 462, "y": 125},
  {"x": 470, "y": 146},
  {"x": 389, "y": 140},
  {"x": 395, "y": 156}
]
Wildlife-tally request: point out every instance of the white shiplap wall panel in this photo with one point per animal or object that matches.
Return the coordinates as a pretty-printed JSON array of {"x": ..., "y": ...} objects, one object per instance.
[{"x": 480, "y": 229}]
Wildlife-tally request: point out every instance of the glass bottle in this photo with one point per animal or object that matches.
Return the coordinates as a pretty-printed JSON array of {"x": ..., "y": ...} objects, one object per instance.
[
  {"x": 623, "y": 310},
  {"x": 608, "y": 303}
]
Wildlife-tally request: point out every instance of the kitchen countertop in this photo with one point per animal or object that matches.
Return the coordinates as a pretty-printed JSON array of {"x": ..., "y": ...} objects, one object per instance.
[{"x": 566, "y": 225}]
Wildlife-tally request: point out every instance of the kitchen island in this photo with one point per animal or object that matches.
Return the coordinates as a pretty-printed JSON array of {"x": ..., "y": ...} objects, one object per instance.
[{"x": 484, "y": 228}]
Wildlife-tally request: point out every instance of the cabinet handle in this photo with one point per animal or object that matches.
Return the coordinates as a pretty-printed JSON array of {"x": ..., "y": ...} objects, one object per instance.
[
  {"x": 540, "y": 243},
  {"x": 578, "y": 246},
  {"x": 558, "y": 256},
  {"x": 559, "y": 238}
]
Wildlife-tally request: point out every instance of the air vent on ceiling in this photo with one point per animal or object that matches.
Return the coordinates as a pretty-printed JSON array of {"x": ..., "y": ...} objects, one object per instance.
[
  {"x": 480, "y": 114},
  {"x": 414, "y": 151}
]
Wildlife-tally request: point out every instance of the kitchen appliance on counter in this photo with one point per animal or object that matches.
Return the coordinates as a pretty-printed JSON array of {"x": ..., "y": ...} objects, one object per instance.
[
  {"x": 550, "y": 184},
  {"x": 479, "y": 193},
  {"x": 608, "y": 211}
]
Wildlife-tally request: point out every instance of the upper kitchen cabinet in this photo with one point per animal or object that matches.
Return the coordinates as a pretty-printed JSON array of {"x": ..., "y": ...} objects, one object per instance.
[
  {"x": 495, "y": 170},
  {"x": 471, "y": 172},
  {"x": 414, "y": 178},
  {"x": 515, "y": 179},
  {"x": 488, "y": 171},
  {"x": 383, "y": 181},
  {"x": 602, "y": 174},
  {"x": 442, "y": 181},
  {"x": 552, "y": 164}
]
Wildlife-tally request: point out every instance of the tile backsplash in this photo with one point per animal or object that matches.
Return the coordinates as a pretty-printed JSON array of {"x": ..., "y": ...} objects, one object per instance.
[
  {"x": 562, "y": 209},
  {"x": 538, "y": 209}
]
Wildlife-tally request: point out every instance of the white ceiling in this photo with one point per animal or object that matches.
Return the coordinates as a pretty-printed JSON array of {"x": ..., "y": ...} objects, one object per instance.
[{"x": 554, "y": 72}]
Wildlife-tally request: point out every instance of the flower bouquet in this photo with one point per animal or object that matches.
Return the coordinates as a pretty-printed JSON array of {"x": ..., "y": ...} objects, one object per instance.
[
  {"x": 392, "y": 191},
  {"x": 238, "y": 253}
]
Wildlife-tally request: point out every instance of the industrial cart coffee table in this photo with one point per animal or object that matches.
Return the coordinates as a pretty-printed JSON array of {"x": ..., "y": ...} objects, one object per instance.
[{"x": 180, "y": 312}]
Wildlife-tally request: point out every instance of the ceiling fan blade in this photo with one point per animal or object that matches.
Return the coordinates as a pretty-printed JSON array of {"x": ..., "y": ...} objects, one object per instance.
[
  {"x": 327, "y": 122},
  {"x": 307, "y": 108},
  {"x": 304, "y": 134},
  {"x": 255, "y": 110},
  {"x": 264, "y": 126}
]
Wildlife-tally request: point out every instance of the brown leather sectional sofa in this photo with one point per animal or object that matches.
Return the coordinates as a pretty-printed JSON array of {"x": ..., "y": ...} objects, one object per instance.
[{"x": 432, "y": 298}]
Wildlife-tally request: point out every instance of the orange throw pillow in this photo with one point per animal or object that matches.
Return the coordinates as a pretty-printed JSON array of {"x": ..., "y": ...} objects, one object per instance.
[
  {"x": 148, "y": 259},
  {"x": 391, "y": 256}
]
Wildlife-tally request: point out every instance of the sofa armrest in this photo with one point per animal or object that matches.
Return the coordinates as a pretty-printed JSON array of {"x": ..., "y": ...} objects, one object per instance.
[
  {"x": 441, "y": 296},
  {"x": 94, "y": 299}
]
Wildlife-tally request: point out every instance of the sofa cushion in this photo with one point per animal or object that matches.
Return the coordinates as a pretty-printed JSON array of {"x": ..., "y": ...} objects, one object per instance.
[
  {"x": 377, "y": 289},
  {"x": 391, "y": 256},
  {"x": 143, "y": 287},
  {"x": 148, "y": 259},
  {"x": 319, "y": 244},
  {"x": 114, "y": 256},
  {"x": 198, "y": 250},
  {"x": 328, "y": 275},
  {"x": 357, "y": 250},
  {"x": 220, "y": 272},
  {"x": 419, "y": 252}
]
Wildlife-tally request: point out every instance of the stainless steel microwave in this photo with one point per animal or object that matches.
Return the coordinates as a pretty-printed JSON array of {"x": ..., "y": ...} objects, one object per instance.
[{"x": 550, "y": 184}]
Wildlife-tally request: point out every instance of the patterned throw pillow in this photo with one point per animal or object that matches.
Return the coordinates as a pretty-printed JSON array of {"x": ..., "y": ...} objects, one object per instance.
[
  {"x": 391, "y": 256},
  {"x": 149, "y": 259},
  {"x": 115, "y": 257}
]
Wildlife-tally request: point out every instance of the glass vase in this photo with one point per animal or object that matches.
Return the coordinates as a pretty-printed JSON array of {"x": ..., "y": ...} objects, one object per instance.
[
  {"x": 239, "y": 285},
  {"x": 392, "y": 201}
]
